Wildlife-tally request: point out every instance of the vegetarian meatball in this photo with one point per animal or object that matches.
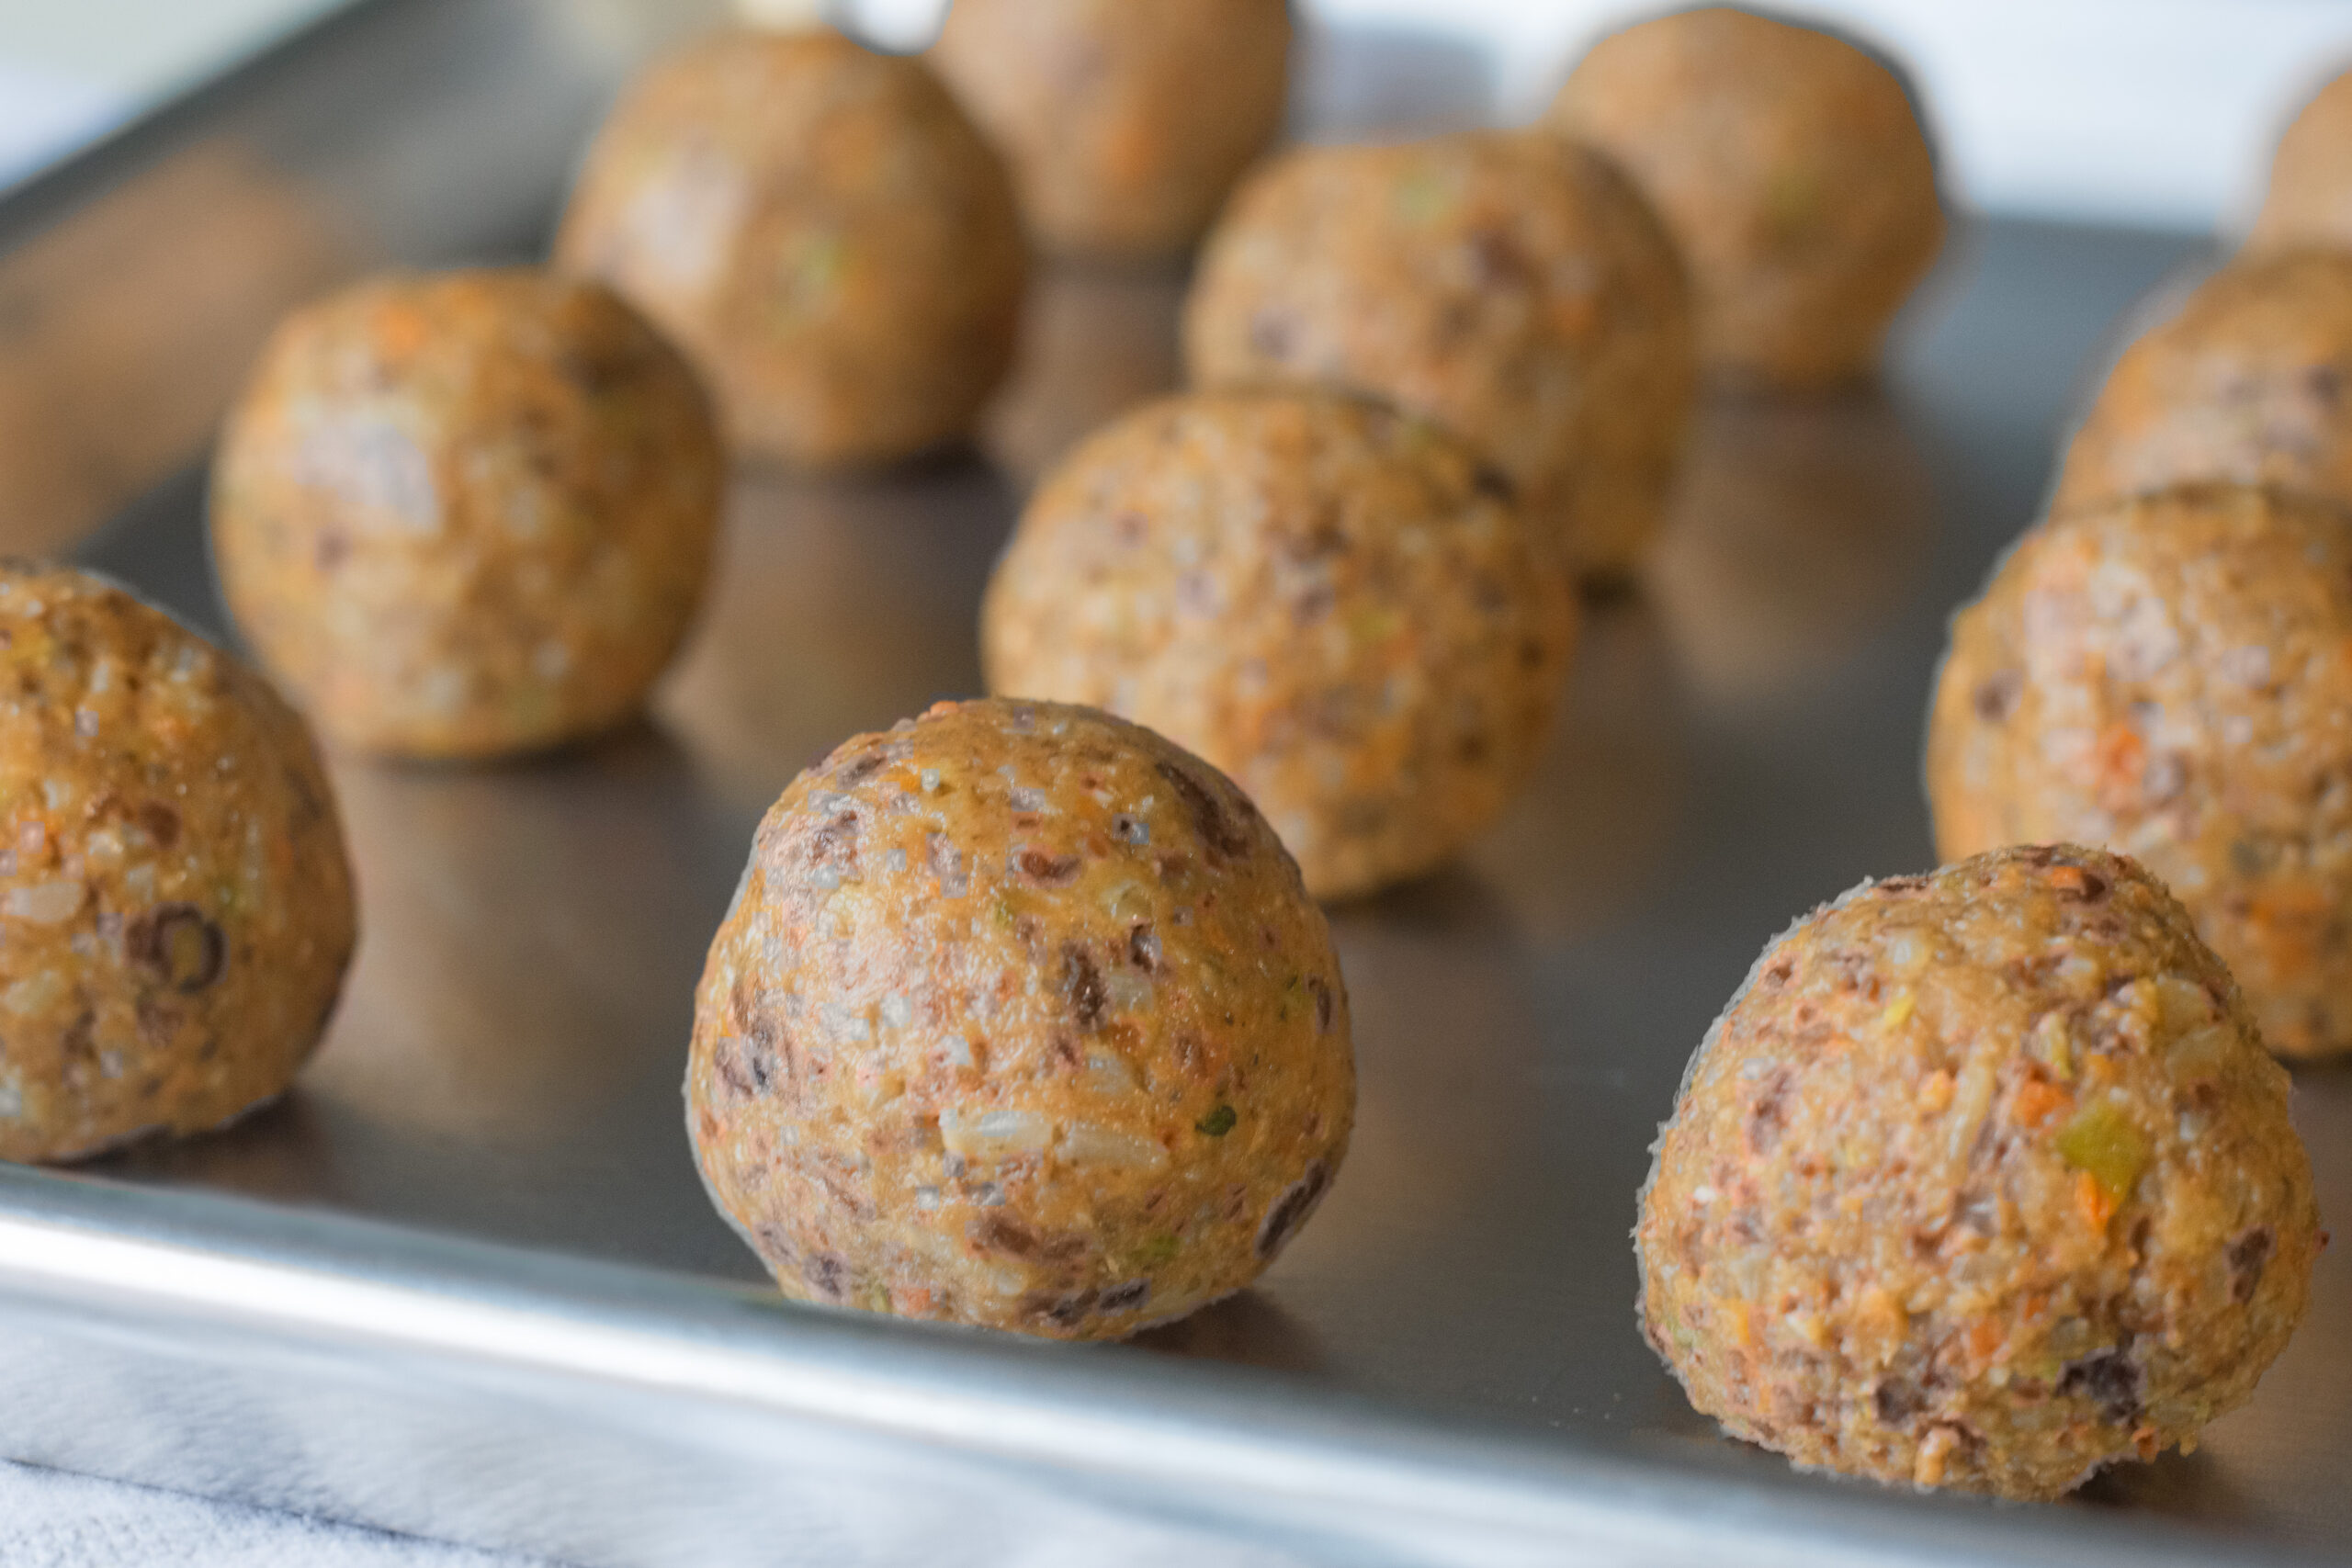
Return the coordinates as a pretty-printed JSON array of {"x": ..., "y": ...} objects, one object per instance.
[
  {"x": 175, "y": 904},
  {"x": 822, "y": 229},
  {"x": 1791, "y": 168},
  {"x": 1511, "y": 286},
  {"x": 1983, "y": 1180},
  {"x": 2310, "y": 200},
  {"x": 469, "y": 513},
  {"x": 1021, "y": 1017},
  {"x": 2247, "y": 383},
  {"x": 1332, "y": 602},
  {"x": 2171, "y": 677},
  {"x": 1125, "y": 122}
]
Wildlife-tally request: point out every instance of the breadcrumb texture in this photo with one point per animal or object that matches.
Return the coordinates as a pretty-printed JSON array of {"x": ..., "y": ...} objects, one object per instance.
[
  {"x": 1512, "y": 287},
  {"x": 2247, "y": 383},
  {"x": 824, "y": 231},
  {"x": 1792, "y": 171},
  {"x": 1125, "y": 122},
  {"x": 176, "y": 911},
  {"x": 2171, "y": 677},
  {"x": 469, "y": 513},
  {"x": 1021, "y": 1017},
  {"x": 1332, "y": 602},
  {"x": 2310, "y": 198},
  {"x": 1983, "y": 1180}
]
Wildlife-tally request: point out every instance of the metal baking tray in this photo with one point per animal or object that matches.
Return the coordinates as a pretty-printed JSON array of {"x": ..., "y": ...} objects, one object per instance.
[{"x": 463, "y": 1282}]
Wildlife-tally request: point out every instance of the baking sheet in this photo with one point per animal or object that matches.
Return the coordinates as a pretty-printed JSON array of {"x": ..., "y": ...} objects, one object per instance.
[{"x": 1741, "y": 741}]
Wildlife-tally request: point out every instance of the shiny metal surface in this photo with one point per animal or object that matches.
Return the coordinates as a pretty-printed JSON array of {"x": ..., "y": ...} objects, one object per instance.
[{"x": 463, "y": 1282}]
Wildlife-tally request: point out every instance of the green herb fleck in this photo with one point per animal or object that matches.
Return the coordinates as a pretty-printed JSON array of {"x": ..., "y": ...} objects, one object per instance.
[
  {"x": 1217, "y": 1123},
  {"x": 1157, "y": 1249},
  {"x": 2102, "y": 1141}
]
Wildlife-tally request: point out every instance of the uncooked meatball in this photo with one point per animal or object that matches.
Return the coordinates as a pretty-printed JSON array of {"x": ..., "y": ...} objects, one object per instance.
[
  {"x": 823, "y": 231},
  {"x": 2247, "y": 383},
  {"x": 2171, "y": 677},
  {"x": 467, "y": 514},
  {"x": 1021, "y": 1018},
  {"x": 176, "y": 912},
  {"x": 2310, "y": 200},
  {"x": 1791, "y": 168},
  {"x": 1125, "y": 122},
  {"x": 1511, "y": 286},
  {"x": 1983, "y": 1180},
  {"x": 1332, "y": 602}
]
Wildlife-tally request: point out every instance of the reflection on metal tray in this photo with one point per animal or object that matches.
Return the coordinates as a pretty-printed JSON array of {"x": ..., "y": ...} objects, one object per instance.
[{"x": 463, "y": 1282}]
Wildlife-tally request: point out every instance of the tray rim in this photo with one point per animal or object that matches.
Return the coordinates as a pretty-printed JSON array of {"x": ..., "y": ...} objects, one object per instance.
[{"x": 1237, "y": 1440}]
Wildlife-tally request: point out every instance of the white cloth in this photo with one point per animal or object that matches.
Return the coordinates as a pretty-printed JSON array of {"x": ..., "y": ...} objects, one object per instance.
[{"x": 53, "y": 1520}]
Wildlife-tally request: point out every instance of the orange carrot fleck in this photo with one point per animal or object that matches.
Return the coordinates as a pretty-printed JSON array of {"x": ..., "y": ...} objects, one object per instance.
[
  {"x": 2038, "y": 1102},
  {"x": 2092, "y": 1201}
]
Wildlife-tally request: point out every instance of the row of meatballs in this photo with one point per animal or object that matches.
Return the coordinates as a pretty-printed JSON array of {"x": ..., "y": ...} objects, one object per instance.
[
  {"x": 1985, "y": 1178},
  {"x": 1025, "y": 1015}
]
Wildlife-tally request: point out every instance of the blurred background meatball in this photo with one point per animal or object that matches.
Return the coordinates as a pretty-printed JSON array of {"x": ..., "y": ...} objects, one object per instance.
[
  {"x": 1791, "y": 168},
  {"x": 1511, "y": 286},
  {"x": 2246, "y": 383},
  {"x": 1124, "y": 122},
  {"x": 2310, "y": 198},
  {"x": 822, "y": 229}
]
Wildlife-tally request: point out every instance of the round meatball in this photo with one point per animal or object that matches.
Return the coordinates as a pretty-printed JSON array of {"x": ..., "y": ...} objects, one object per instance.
[
  {"x": 1511, "y": 286},
  {"x": 1125, "y": 122},
  {"x": 1332, "y": 602},
  {"x": 2171, "y": 677},
  {"x": 2310, "y": 200},
  {"x": 175, "y": 908},
  {"x": 467, "y": 514},
  {"x": 1982, "y": 1180},
  {"x": 2247, "y": 383},
  {"x": 1021, "y": 1018},
  {"x": 1791, "y": 168},
  {"x": 823, "y": 231}
]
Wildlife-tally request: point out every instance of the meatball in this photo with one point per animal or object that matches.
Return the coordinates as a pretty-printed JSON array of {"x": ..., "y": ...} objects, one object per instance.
[
  {"x": 2171, "y": 677},
  {"x": 467, "y": 514},
  {"x": 2247, "y": 383},
  {"x": 1982, "y": 1180},
  {"x": 175, "y": 903},
  {"x": 1021, "y": 1018},
  {"x": 1793, "y": 169},
  {"x": 1334, "y": 604},
  {"x": 823, "y": 231},
  {"x": 2310, "y": 200},
  {"x": 1124, "y": 123},
  {"x": 1511, "y": 286}
]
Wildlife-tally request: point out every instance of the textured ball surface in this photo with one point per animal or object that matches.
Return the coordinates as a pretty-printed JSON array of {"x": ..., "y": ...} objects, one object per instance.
[
  {"x": 1513, "y": 288},
  {"x": 2171, "y": 678},
  {"x": 176, "y": 911},
  {"x": 2247, "y": 383},
  {"x": 1331, "y": 602},
  {"x": 822, "y": 229},
  {"x": 467, "y": 514},
  {"x": 1125, "y": 122},
  {"x": 1791, "y": 168},
  {"x": 1983, "y": 1180},
  {"x": 1021, "y": 1017}
]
